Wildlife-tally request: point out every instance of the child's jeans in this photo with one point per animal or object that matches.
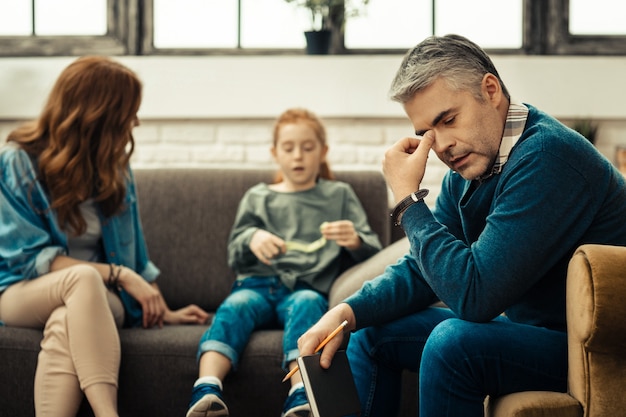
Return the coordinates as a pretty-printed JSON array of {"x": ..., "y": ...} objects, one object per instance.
[{"x": 261, "y": 302}]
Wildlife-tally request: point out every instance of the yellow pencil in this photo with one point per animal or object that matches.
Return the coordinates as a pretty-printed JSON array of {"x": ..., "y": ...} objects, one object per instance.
[{"x": 319, "y": 347}]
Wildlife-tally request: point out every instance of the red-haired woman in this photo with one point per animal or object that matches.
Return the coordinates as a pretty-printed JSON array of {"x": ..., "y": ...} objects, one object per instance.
[{"x": 73, "y": 259}]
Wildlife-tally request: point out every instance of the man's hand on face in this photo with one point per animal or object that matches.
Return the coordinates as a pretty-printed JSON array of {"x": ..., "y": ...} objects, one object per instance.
[{"x": 404, "y": 164}]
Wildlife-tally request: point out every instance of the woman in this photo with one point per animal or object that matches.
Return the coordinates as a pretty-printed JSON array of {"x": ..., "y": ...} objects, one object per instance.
[{"x": 73, "y": 258}]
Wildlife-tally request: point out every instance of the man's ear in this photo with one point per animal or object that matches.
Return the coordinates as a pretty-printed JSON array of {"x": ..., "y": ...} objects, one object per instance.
[{"x": 492, "y": 90}]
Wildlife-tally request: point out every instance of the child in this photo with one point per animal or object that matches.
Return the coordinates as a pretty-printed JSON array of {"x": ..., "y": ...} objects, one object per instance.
[{"x": 285, "y": 247}]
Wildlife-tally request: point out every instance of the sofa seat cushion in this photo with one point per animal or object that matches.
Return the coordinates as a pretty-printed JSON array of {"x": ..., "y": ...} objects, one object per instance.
[
  {"x": 18, "y": 362},
  {"x": 146, "y": 353}
]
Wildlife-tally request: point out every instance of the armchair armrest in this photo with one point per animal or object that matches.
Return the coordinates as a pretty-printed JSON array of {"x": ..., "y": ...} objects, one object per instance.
[
  {"x": 533, "y": 404},
  {"x": 596, "y": 311}
]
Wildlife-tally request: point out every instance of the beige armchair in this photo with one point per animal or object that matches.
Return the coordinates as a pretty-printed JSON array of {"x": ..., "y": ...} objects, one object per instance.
[{"x": 596, "y": 319}]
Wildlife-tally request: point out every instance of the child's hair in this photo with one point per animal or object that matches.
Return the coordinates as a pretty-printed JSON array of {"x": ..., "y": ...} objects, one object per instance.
[{"x": 300, "y": 115}]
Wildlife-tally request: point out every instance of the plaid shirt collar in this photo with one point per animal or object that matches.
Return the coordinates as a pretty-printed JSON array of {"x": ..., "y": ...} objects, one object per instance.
[{"x": 513, "y": 128}]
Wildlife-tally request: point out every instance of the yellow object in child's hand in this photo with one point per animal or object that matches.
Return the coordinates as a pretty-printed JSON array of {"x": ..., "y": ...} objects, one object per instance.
[{"x": 307, "y": 247}]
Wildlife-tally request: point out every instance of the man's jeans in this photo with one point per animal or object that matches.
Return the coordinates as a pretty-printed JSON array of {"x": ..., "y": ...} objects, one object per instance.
[
  {"x": 262, "y": 302},
  {"x": 459, "y": 362}
]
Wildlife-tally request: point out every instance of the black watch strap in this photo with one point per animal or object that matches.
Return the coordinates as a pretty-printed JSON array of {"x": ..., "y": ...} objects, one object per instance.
[{"x": 409, "y": 200}]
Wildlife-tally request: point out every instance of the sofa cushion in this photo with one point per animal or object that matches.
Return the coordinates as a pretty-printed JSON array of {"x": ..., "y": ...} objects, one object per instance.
[
  {"x": 187, "y": 215},
  {"x": 352, "y": 279},
  {"x": 147, "y": 353},
  {"x": 19, "y": 348}
]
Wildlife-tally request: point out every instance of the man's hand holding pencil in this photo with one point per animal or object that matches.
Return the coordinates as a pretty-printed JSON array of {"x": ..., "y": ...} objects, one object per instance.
[{"x": 309, "y": 342}]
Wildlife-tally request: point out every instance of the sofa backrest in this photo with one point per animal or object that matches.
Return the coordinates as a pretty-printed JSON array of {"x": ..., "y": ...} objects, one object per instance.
[{"x": 187, "y": 214}]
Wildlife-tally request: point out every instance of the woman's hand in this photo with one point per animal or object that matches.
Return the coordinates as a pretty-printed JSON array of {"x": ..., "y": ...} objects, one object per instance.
[
  {"x": 266, "y": 246},
  {"x": 343, "y": 233},
  {"x": 152, "y": 303},
  {"x": 192, "y": 314}
]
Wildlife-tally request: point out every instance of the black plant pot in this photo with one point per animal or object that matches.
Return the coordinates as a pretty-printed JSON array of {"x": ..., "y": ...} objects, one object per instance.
[{"x": 317, "y": 42}]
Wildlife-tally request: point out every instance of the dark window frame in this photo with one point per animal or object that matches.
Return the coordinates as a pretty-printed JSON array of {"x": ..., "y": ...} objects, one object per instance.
[
  {"x": 559, "y": 41},
  {"x": 123, "y": 27},
  {"x": 129, "y": 32}
]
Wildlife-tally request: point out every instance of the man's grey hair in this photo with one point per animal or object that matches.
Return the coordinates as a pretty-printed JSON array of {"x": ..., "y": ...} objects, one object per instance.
[{"x": 459, "y": 61}]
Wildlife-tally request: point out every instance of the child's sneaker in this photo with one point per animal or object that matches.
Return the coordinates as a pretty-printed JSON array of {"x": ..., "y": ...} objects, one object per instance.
[
  {"x": 297, "y": 405},
  {"x": 207, "y": 401}
]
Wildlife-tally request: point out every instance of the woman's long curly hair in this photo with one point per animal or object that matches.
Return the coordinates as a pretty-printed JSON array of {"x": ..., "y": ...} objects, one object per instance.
[
  {"x": 83, "y": 138},
  {"x": 300, "y": 115}
]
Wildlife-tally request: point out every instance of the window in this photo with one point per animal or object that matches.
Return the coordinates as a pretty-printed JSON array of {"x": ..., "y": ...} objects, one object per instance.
[
  {"x": 135, "y": 27},
  {"x": 412, "y": 22},
  {"x": 493, "y": 24},
  {"x": 195, "y": 24},
  {"x": 65, "y": 27},
  {"x": 39, "y": 18},
  {"x": 400, "y": 24},
  {"x": 275, "y": 24},
  {"x": 594, "y": 27},
  {"x": 597, "y": 17}
]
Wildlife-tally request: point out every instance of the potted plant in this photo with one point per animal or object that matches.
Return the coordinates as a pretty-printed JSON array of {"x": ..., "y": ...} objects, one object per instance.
[{"x": 327, "y": 22}]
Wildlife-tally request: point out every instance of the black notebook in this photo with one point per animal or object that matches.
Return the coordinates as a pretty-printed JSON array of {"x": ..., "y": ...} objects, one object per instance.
[{"x": 331, "y": 392}]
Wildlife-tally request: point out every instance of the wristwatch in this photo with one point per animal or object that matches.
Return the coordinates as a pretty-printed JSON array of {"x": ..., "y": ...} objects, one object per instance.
[{"x": 409, "y": 200}]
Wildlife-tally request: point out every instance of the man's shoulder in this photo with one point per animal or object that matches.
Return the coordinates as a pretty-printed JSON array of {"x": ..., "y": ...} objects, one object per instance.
[
  {"x": 544, "y": 133},
  {"x": 543, "y": 124}
]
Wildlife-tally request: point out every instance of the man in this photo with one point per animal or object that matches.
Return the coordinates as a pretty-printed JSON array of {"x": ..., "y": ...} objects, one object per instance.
[{"x": 523, "y": 192}]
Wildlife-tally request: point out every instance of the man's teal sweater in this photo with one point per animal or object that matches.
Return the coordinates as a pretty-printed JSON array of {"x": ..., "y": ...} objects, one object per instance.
[{"x": 503, "y": 245}]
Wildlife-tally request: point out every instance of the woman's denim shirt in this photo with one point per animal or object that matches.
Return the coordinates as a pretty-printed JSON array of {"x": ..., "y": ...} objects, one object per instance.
[{"x": 30, "y": 236}]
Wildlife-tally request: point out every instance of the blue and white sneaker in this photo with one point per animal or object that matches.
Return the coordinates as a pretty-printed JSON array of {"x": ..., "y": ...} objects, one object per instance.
[
  {"x": 207, "y": 401},
  {"x": 297, "y": 404}
]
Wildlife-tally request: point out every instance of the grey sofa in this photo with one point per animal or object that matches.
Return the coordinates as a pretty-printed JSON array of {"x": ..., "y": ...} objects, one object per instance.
[{"x": 187, "y": 215}]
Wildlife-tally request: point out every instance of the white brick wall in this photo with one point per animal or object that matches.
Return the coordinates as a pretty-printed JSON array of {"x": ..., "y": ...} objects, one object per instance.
[
  {"x": 231, "y": 143},
  {"x": 225, "y": 143}
]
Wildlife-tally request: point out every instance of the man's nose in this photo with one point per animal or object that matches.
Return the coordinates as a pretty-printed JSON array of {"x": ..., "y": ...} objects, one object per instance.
[{"x": 442, "y": 142}]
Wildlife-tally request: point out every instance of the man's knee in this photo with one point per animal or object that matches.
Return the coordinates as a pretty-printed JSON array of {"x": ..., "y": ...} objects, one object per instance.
[
  {"x": 453, "y": 339},
  {"x": 370, "y": 341}
]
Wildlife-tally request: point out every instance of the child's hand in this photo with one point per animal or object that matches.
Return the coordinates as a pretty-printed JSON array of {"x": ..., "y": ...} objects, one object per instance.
[
  {"x": 192, "y": 314},
  {"x": 266, "y": 246},
  {"x": 342, "y": 232}
]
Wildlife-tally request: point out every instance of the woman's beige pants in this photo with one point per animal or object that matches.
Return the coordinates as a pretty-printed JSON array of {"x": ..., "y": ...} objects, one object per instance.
[{"x": 80, "y": 344}]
